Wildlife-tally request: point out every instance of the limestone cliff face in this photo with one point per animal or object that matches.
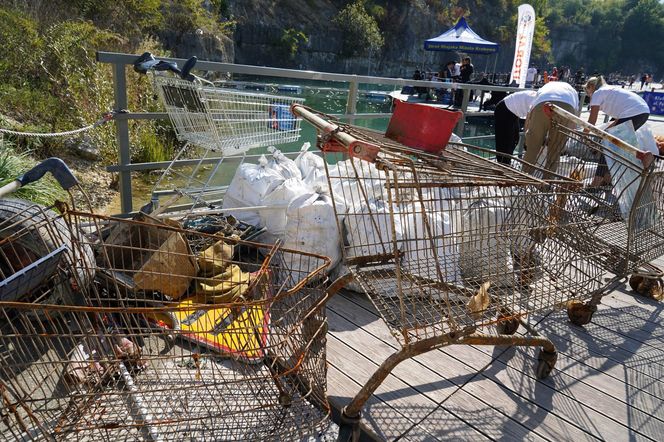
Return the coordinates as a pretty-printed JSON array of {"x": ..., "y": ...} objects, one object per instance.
[{"x": 261, "y": 24}]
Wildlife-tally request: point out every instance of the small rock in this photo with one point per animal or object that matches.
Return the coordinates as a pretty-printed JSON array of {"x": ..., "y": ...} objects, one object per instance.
[{"x": 83, "y": 147}]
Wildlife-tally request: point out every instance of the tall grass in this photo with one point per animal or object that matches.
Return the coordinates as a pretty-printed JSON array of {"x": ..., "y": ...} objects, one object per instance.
[{"x": 14, "y": 164}]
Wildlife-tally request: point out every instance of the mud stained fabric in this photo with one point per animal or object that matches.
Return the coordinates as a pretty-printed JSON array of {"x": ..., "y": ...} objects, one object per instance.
[
  {"x": 539, "y": 125},
  {"x": 507, "y": 131}
]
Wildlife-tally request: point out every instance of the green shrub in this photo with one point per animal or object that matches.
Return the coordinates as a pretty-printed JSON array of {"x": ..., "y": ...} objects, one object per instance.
[
  {"x": 13, "y": 164},
  {"x": 291, "y": 40},
  {"x": 361, "y": 32}
]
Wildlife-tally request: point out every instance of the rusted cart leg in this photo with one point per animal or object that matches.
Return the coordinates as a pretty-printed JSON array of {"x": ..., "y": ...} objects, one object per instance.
[
  {"x": 351, "y": 414},
  {"x": 581, "y": 313}
]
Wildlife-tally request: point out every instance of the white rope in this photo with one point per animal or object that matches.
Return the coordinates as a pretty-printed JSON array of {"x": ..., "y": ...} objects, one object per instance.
[{"x": 106, "y": 118}]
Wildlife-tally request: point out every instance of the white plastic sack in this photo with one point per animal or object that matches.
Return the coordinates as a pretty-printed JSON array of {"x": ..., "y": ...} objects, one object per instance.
[
  {"x": 273, "y": 215},
  {"x": 369, "y": 230},
  {"x": 419, "y": 257},
  {"x": 484, "y": 253},
  {"x": 306, "y": 161},
  {"x": 646, "y": 140},
  {"x": 248, "y": 187},
  {"x": 353, "y": 178},
  {"x": 312, "y": 227},
  {"x": 282, "y": 164}
]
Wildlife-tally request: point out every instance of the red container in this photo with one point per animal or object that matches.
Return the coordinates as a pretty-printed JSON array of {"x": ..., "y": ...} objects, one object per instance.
[{"x": 421, "y": 126}]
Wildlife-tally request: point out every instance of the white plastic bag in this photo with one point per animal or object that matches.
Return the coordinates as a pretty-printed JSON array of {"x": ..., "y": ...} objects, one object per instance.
[
  {"x": 275, "y": 203},
  {"x": 312, "y": 227},
  {"x": 485, "y": 253},
  {"x": 353, "y": 179},
  {"x": 248, "y": 188},
  {"x": 430, "y": 242},
  {"x": 369, "y": 230},
  {"x": 306, "y": 161},
  {"x": 646, "y": 140},
  {"x": 282, "y": 164}
]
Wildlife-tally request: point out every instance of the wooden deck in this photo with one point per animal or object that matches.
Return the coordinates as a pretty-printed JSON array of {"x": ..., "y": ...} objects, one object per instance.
[{"x": 606, "y": 384}]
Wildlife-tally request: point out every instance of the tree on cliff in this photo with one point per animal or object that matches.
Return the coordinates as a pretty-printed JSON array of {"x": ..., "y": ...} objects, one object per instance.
[{"x": 361, "y": 32}]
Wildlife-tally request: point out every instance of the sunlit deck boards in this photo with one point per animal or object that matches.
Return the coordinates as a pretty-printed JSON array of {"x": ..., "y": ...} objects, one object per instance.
[{"x": 606, "y": 385}]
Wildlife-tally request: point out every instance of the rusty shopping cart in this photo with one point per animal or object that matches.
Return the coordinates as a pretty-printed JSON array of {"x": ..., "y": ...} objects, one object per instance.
[
  {"x": 450, "y": 248},
  {"x": 175, "y": 335},
  {"x": 222, "y": 124},
  {"x": 621, "y": 202}
]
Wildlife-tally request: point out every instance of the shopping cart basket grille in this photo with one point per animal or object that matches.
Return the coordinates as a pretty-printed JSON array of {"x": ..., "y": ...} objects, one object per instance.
[{"x": 224, "y": 120}]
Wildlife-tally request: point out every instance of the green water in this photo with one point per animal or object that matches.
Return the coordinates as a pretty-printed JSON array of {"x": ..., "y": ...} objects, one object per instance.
[{"x": 329, "y": 98}]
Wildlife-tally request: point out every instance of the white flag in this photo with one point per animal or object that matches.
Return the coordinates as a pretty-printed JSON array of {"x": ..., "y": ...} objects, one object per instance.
[{"x": 524, "y": 42}]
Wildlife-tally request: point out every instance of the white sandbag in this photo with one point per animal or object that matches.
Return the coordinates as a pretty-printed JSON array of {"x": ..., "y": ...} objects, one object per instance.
[
  {"x": 312, "y": 227},
  {"x": 357, "y": 181},
  {"x": 275, "y": 203},
  {"x": 307, "y": 161},
  {"x": 646, "y": 140},
  {"x": 484, "y": 251},
  {"x": 282, "y": 164},
  {"x": 419, "y": 254},
  {"x": 248, "y": 187},
  {"x": 369, "y": 230}
]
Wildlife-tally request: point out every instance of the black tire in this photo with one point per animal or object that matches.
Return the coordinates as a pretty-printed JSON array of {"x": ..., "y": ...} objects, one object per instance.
[{"x": 38, "y": 231}]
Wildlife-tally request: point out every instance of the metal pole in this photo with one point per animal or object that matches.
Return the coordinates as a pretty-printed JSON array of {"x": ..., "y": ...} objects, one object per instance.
[
  {"x": 351, "y": 104},
  {"x": 122, "y": 135}
]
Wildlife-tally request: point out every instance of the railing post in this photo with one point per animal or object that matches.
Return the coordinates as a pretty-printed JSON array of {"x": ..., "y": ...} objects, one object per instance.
[
  {"x": 464, "y": 107},
  {"x": 122, "y": 135},
  {"x": 351, "y": 104}
]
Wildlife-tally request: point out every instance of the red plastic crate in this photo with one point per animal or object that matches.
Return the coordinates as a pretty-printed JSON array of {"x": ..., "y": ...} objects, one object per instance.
[{"x": 421, "y": 126}]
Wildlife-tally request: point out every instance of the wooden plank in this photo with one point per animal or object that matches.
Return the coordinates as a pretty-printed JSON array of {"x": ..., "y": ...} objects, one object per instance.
[
  {"x": 463, "y": 406},
  {"x": 611, "y": 427},
  {"x": 393, "y": 394},
  {"x": 447, "y": 363},
  {"x": 616, "y": 408},
  {"x": 600, "y": 355}
]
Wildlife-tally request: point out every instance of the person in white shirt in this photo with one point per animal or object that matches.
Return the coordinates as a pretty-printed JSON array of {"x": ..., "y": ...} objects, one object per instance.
[
  {"x": 621, "y": 105},
  {"x": 538, "y": 124},
  {"x": 506, "y": 121}
]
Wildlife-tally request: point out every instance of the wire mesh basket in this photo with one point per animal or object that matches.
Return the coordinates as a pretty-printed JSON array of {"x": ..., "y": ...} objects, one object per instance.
[
  {"x": 225, "y": 120},
  {"x": 623, "y": 192},
  {"x": 446, "y": 245},
  {"x": 181, "y": 336}
]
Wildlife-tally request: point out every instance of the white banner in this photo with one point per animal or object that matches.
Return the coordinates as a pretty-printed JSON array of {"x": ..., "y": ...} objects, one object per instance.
[{"x": 524, "y": 42}]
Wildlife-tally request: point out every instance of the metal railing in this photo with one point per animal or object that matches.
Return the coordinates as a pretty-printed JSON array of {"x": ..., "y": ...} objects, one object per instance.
[{"x": 119, "y": 62}]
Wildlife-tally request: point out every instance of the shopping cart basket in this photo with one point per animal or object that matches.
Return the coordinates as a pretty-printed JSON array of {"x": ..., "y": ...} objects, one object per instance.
[
  {"x": 222, "y": 123},
  {"x": 623, "y": 217},
  {"x": 447, "y": 245},
  {"x": 36, "y": 245},
  {"x": 180, "y": 336}
]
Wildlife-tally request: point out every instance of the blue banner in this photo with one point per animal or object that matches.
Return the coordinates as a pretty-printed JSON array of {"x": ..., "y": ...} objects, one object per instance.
[{"x": 655, "y": 102}]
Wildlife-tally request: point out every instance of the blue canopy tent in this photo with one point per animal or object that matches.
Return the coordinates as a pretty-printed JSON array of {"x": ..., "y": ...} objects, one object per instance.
[{"x": 461, "y": 38}]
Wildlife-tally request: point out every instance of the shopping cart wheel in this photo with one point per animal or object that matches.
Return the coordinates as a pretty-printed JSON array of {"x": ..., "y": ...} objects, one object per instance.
[
  {"x": 349, "y": 427},
  {"x": 650, "y": 287},
  {"x": 580, "y": 313},
  {"x": 507, "y": 326},
  {"x": 546, "y": 360}
]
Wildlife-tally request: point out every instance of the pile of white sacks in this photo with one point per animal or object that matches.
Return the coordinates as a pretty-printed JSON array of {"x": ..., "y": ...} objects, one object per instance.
[{"x": 291, "y": 199}]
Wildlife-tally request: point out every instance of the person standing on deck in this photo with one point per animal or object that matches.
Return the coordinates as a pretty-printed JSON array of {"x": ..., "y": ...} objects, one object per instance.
[
  {"x": 506, "y": 120},
  {"x": 538, "y": 124},
  {"x": 621, "y": 105}
]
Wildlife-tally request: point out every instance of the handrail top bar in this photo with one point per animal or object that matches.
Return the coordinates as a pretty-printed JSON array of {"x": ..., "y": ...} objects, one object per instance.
[{"x": 128, "y": 59}]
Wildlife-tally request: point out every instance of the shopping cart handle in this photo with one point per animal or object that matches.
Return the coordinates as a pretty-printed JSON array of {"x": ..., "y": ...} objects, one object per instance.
[
  {"x": 58, "y": 169},
  {"x": 186, "y": 69},
  {"x": 144, "y": 63}
]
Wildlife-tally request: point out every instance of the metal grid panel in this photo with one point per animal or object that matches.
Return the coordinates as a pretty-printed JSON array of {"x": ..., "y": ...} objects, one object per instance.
[
  {"x": 627, "y": 213},
  {"x": 123, "y": 365},
  {"x": 224, "y": 120},
  {"x": 424, "y": 233}
]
